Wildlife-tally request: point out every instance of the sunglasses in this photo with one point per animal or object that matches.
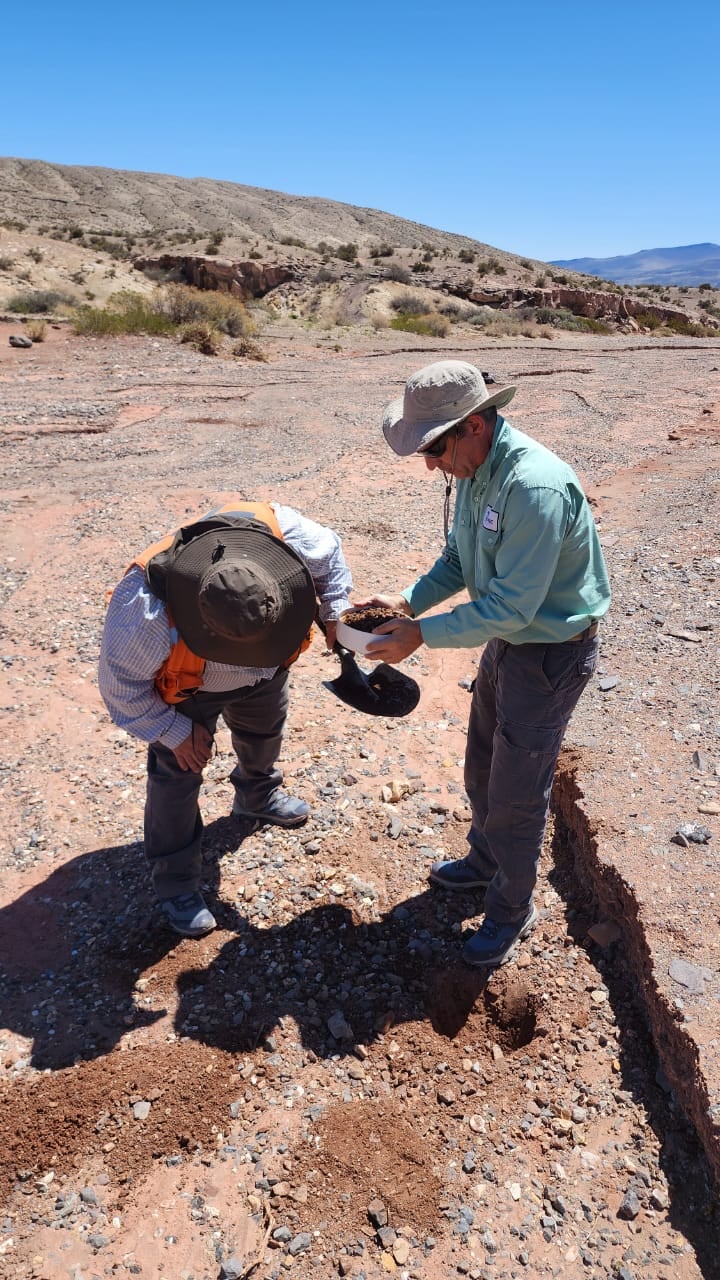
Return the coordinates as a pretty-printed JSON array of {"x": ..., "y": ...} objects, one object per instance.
[{"x": 438, "y": 447}]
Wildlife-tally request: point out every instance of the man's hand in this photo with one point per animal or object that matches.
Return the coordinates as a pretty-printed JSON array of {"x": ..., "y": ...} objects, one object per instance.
[
  {"x": 398, "y": 604},
  {"x": 395, "y": 640},
  {"x": 194, "y": 751},
  {"x": 330, "y": 635}
]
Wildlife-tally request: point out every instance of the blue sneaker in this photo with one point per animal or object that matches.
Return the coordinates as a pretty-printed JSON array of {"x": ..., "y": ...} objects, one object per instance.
[
  {"x": 457, "y": 874},
  {"x": 187, "y": 913},
  {"x": 280, "y": 809},
  {"x": 495, "y": 943}
]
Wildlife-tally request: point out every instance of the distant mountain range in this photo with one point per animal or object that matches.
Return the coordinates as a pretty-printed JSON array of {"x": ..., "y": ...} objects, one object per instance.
[{"x": 691, "y": 264}]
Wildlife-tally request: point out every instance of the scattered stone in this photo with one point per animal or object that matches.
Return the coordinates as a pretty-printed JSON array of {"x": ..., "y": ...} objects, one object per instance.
[
  {"x": 18, "y": 340},
  {"x": 691, "y": 976},
  {"x": 606, "y": 683},
  {"x": 338, "y": 1027},
  {"x": 630, "y": 1207},
  {"x": 377, "y": 1213},
  {"x": 691, "y": 833},
  {"x": 233, "y": 1268}
]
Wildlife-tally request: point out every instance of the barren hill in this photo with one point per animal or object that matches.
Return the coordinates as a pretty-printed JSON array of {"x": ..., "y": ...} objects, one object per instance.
[
  {"x": 117, "y": 201},
  {"x": 89, "y": 232}
]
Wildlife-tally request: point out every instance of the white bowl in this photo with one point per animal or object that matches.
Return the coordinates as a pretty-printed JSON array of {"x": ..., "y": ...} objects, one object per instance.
[{"x": 350, "y": 638}]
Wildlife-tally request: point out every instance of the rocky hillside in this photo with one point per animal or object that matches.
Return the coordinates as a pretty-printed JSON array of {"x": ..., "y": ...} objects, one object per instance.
[{"x": 80, "y": 234}]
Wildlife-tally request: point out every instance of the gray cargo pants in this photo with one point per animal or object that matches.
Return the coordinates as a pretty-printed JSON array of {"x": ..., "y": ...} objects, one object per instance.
[
  {"x": 523, "y": 698},
  {"x": 255, "y": 716}
]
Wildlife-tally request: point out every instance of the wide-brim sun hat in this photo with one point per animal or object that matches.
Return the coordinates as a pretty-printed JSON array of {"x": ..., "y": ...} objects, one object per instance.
[
  {"x": 436, "y": 398},
  {"x": 237, "y": 595}
]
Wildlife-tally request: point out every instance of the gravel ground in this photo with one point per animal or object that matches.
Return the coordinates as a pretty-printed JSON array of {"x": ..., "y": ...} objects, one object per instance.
[{"x": 320, "y": 1087}]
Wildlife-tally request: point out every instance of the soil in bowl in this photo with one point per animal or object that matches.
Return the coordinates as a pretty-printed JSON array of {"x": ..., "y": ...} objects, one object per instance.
[{"x": 367, "y": 618}]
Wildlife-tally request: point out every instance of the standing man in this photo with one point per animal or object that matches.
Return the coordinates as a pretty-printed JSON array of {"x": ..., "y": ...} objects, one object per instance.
[
  {"x": 524, "y": 546},
  {"x": 207, "y": 622}
]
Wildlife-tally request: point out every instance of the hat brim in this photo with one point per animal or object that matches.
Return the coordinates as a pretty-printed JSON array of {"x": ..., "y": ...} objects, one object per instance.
[
  {"x": 412, "y": 437},
  {"x": 298, "y": 601}
]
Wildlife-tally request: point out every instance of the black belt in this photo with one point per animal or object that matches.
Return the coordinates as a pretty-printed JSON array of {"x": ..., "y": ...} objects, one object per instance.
[{"x": 587, "y": 634}]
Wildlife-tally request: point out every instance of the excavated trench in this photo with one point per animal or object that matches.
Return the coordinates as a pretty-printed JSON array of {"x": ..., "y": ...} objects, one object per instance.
[{"x": 603, "y": 892}]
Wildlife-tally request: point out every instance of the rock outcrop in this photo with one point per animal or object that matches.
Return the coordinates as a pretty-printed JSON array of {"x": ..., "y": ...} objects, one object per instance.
[{"x": 241, "y": 279}]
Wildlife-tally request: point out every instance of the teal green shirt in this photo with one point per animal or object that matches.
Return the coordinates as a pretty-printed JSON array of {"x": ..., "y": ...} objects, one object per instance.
[{"x": 524, "y": 545}]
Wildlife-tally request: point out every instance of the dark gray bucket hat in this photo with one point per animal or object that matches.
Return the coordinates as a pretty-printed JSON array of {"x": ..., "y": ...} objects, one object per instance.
[{"x": 436, "y": 398}]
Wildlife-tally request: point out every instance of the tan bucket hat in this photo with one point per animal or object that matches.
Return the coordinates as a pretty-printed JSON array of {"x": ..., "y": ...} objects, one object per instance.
[
  {"x": 436, "y": 398},
  {"x": 237, "y": 594}
]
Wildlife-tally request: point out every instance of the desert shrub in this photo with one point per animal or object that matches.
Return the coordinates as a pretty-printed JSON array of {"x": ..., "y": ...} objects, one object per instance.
[
  {"x": 37, "y": 302},
  {"x": 203, "y": 336},
  {"x": 226, "y": 313},
  {"x": 215, "y": 239},
  {"x": 125, "y": 312},
  {"x": 347, "y": 252},
  {"x": 13, "y": 224},
  {"x": 466, "y": 255},
  {"x": 711, "y": 287},
  {"x": 36, "y": 330},
  {"x": 396, "y": 271},
  {"x": 293, "y": 240},
  {"x": 486, "y": 266},
  {"x": 647, "y": 320},
  {"x": 419, "y": 267},
  {"x": 562, "y": 318},
  {"x": 559, "y": 279},
  {"x": 381, "y": 250},
  {"x": 688, "y": 328},
  {"x": 430, "y": 324},
  {"x": 255, "y": 254},
  {"x": 451, "y": 309},
  {"x": 248, "y": 350},
  {"x": 6, "y": 264},
  {"x": 540, "y": 281},
  {"x": 526, "y": 263},
  {"x": 35, "y": 254},
  {"x": 410, "y": 304}
]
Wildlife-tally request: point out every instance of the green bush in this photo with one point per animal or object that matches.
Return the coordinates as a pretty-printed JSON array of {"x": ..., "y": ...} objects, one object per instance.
[
  {"x": 125, "y": 312},
  {"x": 419, "y": 267},
  {"x": 381, "y": 250},
  {"x": 347, "y": 252},
  {"x": 41, "y": 300},
  {"x": 431, "y": 324},
  {"x": 467, "y": 255}
]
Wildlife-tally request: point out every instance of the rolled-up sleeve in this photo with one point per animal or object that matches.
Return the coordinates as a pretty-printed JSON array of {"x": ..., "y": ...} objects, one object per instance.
[{"x": 321, "y": 549}]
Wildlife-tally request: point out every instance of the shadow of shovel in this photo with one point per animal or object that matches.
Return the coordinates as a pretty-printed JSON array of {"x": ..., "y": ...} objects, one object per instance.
[{"x": 384, "y": 691}]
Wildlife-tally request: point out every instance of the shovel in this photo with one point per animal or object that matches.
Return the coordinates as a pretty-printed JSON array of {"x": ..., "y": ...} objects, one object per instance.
[{"x": 384, "y": 691}]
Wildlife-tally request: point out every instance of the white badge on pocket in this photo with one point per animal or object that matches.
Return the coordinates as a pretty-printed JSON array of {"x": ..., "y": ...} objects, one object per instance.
[{"x": 491, "y": 519}]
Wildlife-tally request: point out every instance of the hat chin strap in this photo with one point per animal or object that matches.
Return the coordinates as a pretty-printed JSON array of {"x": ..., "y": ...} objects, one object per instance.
[{"x": 448, "y": 490}]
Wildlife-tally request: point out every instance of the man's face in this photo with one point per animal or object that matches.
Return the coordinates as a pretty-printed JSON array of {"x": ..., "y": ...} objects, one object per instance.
[{"x": 464, "y": 449}]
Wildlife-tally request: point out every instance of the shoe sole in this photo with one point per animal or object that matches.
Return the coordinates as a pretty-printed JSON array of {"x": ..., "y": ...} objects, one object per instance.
[
  {"x": 263, "y": 820},
  {"x": 457, "y": 888},
  {"x": 512, "y": 951}
]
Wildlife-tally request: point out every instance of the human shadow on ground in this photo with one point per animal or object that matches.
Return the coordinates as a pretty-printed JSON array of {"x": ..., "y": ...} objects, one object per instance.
[{"x": 73, "y": 946}]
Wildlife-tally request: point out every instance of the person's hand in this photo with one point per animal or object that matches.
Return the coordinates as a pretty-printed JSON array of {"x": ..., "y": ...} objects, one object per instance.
[
  {"x": 395, "y": 640},
  {"x": 397, "y": 603},
  {"x": 194, "y": 751}
]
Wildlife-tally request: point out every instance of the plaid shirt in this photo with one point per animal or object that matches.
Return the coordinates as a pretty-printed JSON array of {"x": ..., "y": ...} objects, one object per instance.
[{"x": 136, "y": 639}]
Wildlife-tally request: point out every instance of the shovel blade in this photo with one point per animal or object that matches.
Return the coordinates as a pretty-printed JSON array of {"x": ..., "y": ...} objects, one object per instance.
[{"x": 383, "y": 691}]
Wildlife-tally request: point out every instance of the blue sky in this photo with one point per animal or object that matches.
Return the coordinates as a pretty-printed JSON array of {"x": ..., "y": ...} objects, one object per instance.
[{"x": 557, "y": 131}]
